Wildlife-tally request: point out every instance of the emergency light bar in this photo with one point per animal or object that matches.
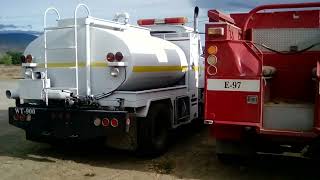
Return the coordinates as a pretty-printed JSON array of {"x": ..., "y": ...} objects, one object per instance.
[{"x": 174, "y": 20}]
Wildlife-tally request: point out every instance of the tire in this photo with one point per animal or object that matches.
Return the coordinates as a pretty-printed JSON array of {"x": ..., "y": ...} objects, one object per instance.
[{"x": 153, "y": 130}]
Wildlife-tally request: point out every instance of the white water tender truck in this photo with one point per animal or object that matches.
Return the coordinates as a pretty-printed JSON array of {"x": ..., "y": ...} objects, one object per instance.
[{"x": 89, "y": 78}]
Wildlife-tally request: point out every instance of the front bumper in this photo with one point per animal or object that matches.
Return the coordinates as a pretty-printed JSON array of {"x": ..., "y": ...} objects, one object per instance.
[{"x": 59, "y": 123}]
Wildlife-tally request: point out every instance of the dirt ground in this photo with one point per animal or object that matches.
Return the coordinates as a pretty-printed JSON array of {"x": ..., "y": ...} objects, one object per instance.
[
  {"x": 9, "y": 72},
  {"x": 191, "y": 156}
]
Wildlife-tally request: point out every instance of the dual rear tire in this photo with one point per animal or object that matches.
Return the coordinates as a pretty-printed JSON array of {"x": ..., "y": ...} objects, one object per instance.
[{"x": 153, "y": 131}]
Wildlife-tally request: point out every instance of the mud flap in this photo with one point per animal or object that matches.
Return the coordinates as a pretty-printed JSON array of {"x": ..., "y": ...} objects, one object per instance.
[{"x": 126, "y": 141}]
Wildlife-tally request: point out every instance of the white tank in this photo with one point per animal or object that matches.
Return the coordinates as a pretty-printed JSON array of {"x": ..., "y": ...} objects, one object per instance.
[{"x": 148, "y": 62}]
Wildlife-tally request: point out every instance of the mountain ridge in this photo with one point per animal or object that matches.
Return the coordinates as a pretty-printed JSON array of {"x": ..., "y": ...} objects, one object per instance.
[{"x": 15, "y": 41}]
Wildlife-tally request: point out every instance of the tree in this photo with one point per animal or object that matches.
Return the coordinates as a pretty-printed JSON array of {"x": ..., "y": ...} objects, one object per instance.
[
  {"x": 16, "y": 56},
  {"x": 6, "y": 59}
]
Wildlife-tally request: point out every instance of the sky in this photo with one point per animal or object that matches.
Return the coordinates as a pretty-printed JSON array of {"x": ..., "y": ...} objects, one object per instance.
[{"x": 27, "y": 15}]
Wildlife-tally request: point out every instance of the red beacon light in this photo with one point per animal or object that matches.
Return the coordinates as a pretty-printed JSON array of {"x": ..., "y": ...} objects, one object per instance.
[
  {"x": 174, "y": 21},
  {"x": 110, "y": 57},
  {"x": 29, "y": 58},
  {"x": 146, "y": 22},
  {"x": 119, "y": 56}
]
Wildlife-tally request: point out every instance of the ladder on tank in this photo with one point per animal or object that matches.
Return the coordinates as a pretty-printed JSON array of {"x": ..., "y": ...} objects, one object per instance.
[{"x": 74, "y": 47}]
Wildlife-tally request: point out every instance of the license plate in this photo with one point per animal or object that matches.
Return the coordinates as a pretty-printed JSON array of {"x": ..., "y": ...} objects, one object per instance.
[
  {"x": 25, "y": 111},
  {"x": 240, "y": 85}
]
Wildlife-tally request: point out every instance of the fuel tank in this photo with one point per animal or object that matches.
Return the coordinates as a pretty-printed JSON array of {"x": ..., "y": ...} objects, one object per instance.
[{"x": 148, "y": 62}]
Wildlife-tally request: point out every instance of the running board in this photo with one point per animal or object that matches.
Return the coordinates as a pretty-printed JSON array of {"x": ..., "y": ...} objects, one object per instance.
[{"x": 288, "y": 133}]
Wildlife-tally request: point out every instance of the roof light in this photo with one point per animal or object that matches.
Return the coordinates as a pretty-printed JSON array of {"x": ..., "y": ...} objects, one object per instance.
[
  {"x": 175, "y": 20},
  {"x": 146, "y": 22}
]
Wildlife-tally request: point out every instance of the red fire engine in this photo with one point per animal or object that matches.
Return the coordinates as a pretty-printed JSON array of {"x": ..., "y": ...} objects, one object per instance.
[{"x": 262, "y": 79}]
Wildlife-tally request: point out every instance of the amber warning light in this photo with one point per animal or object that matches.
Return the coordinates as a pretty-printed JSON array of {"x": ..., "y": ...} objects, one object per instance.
[{"x": 216, "y": 31}]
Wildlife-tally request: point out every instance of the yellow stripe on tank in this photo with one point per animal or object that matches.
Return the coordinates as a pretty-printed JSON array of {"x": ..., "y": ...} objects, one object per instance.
[
  {"x": 137, "y": 69},
  {"x": 143, "y": 69}
]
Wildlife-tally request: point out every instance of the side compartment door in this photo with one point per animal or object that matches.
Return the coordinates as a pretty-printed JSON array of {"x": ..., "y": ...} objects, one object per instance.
[{"x": 233, "y": 85}]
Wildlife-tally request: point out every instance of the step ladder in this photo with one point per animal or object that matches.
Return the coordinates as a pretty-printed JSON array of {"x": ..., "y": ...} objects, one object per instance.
[{"x": 74, "y": 47}]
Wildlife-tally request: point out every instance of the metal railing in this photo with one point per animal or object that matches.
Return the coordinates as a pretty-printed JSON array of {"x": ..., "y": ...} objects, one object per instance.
[{"x": 75, "y": 47}]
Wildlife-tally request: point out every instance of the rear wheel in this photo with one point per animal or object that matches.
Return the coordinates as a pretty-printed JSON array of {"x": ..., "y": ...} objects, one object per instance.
[{"x": 153, "y": 130}]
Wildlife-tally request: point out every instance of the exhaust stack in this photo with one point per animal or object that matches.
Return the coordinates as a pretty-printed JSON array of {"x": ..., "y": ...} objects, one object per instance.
[{"x": 195, "y": 19}]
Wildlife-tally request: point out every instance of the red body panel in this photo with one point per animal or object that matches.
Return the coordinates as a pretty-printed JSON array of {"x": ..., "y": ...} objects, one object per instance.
[
  {"x": 230, "y": 32},
  {"x": 293, "y": 79},
  {"x": 240, "y": 60},
  {"x": 216, "y": 16},
  {"x": 227, "y": 106},
  {"x": 307, "y": 19}
]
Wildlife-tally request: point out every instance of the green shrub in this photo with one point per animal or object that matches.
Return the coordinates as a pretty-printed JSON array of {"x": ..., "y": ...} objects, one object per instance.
[
  {"x": 15, "y": 56},
  {"x": 6, "y": 59}
]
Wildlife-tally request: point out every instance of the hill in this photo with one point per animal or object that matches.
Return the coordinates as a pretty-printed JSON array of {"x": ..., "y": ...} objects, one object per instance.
[{"x": 15, "y": 41}]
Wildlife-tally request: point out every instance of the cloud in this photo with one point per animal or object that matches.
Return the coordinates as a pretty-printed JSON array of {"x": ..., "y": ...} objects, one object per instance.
[
  {"x": 237, "y": 5},
  {"x": 243, "y": 5},
  {"x": 12, "y": 26}
]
